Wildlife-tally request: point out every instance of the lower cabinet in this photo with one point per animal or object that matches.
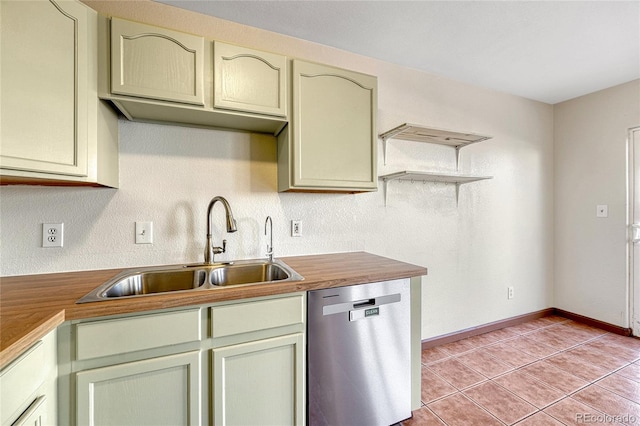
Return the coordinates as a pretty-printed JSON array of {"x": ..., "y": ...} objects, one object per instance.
[
  {"x": 246, "y": 367},
  {"x": 259, "y": 382},
  {"x": 28, "y": 386},
  {"x": 158, "y": 391}
]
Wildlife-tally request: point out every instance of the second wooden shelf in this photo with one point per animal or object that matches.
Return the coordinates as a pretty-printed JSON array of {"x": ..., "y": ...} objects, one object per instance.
[{"x": 413, "y": 176}]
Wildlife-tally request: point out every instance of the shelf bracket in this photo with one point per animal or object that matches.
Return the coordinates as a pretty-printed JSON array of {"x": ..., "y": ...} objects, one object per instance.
[
  {"x": 384, "y": 190},
  {"x": 458, "y": 157},
  {"x": 384, "y": 151}
]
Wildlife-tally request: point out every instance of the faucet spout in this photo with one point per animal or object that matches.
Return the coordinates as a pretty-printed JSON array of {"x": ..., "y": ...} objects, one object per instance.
[
  {"x": 210, "y": 251},
  {"x": 270, "y": 245}
]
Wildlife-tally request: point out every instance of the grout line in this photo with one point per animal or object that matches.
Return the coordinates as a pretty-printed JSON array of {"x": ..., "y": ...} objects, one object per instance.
[{"x": 556, "y": 352}]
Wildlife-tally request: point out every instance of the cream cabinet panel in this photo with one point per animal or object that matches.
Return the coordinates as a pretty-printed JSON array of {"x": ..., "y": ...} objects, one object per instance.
[
  {"x": 239, "y": 318},
  {"x": 331, "y": 142},
  {"x": 35, "y": 415},
  {"x": 53, "y": 128},
  {"x": 28, "y": 385},
  {"x": 20, "y": 381},
  {"x": 43, "y": 125},
  {"x": 156, "y": 63},
  {"x": 129, "y": 334},
  {"x": 158, "y": 391},
  {"x": 249, "y": 80},
  {"x": 260, "y": 383}
]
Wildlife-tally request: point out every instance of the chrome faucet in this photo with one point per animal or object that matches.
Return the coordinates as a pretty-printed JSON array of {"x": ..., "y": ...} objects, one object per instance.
[
  {"x": 210, "y": 251},
  {"x": 270, "y": 245}
]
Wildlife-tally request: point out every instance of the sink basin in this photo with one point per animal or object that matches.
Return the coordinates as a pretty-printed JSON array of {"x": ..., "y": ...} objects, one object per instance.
[
  {"x": 156, "y": 282},
  {"x": 183, "y": 278},
  {"x": 244, "y": 274}
]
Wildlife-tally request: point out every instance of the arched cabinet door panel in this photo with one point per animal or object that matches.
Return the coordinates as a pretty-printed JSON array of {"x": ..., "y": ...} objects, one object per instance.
[
  {"x": 332, "y": 136},
  {"x": 249, "y": 80},
  {"x": 43, "y": 94},
  {"x": 156, "y": 63}
]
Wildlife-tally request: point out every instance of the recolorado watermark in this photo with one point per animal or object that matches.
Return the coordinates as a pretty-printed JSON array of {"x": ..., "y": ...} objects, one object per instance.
[{"x": 588, "y": 418}]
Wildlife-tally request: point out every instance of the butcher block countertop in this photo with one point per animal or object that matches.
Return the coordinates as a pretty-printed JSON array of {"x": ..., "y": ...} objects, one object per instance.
[{"x": 33, "y": 305}]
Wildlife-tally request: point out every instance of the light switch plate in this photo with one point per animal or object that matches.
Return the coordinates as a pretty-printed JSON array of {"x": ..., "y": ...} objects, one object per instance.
[
  {"x": 602, "y": 210},
  {"x": 296, "y": 228},
  {"x": 144, "y": 232}
]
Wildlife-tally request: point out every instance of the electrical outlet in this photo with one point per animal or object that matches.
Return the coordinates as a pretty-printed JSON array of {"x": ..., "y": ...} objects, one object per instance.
[
  {"x": 296, "y": 228},
  {"x": 52, "y": 234},
  {"x": 509, "y": 293}
]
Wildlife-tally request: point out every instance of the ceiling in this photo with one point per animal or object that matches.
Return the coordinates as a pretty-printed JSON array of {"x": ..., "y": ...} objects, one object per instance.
[{"x": 549, "y": 51}]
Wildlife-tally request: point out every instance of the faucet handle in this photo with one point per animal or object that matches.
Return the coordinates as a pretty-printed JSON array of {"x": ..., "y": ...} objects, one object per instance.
[{"x": 218, "y": 250}]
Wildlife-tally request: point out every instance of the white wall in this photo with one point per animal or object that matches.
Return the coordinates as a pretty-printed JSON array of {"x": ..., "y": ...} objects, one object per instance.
[
  {"x": 499, "y": 234},
  {"x": 590, "y": 169}
]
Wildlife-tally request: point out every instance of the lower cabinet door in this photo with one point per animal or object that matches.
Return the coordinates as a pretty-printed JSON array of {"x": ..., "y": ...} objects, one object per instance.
[
  {"x": 260, "y": 383},
  {"x": 158, "y": 391}
]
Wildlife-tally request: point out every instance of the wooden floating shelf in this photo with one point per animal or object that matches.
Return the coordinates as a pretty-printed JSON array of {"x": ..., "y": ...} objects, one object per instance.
[
  {"x": 413, "y": 177},
  {"x": 418, "y": 133}
]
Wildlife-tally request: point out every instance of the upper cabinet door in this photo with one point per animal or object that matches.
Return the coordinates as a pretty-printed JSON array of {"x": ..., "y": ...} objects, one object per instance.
[
  {"x": 249, "y": 80},
  {"x": 156, "y": 63},
  {"x": 333, "y": 129},
  {"x": 43, "y": 87}
]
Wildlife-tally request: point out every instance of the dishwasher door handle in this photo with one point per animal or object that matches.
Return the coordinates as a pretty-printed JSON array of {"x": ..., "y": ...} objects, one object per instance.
[{"x": 361, "y": 305}]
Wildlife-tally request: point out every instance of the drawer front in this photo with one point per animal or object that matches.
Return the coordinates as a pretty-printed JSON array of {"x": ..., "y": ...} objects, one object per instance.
[
  {"x": 20, "y": 380},
  {"x": 122, "y": 335},
  {"x": 35, "y": 415},
  {"x": 254, "y": 316}
]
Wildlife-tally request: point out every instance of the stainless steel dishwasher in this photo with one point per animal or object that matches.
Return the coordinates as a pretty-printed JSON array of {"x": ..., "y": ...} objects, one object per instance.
[{"x": 359, "y": 355}]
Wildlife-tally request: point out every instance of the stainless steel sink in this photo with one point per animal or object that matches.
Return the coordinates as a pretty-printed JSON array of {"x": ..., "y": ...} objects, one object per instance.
[
  {"x": 156, "y": 282},
  {"x": 243, "y": 274},
  {"x": 188, "y": 278}
]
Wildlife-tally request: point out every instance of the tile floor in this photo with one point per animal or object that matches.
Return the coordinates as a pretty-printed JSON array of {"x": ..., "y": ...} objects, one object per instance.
[{"x": 551, "y": 371}]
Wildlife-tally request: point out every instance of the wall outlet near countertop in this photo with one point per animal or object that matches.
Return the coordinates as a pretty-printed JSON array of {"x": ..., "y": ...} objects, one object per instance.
[{"x": 52, "y": 234}]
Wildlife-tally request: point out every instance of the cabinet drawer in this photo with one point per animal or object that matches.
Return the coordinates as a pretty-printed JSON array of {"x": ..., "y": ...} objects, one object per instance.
[
  {"x": 20, "y": 380},
  {"x": 34, "y": 415},
  {"x": 254, "y": 316},
  {"x": 112, "y": 337}
]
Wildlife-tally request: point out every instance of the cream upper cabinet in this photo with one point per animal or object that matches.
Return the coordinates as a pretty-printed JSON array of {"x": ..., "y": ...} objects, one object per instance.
[
  {"x": 53, "y": 128},
  {"x": 156, "y": 63},
  {"x": 249, "y": 80},
  {"x": 165, "y": 76},
  {"x": 330, "y": 143}
]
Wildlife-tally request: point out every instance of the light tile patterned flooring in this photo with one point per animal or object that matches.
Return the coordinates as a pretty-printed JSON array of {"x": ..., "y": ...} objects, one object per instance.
[{"x": 550, "y": 371}]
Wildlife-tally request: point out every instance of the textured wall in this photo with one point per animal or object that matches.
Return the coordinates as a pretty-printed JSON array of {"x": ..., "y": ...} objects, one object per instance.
[
  {"x": 590, "y": 168},
  {"x": 499, "y": 234}
]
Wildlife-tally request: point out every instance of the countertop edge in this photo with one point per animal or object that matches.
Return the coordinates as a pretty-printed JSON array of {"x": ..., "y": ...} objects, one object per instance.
[{"x": 43, "y": 327}]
